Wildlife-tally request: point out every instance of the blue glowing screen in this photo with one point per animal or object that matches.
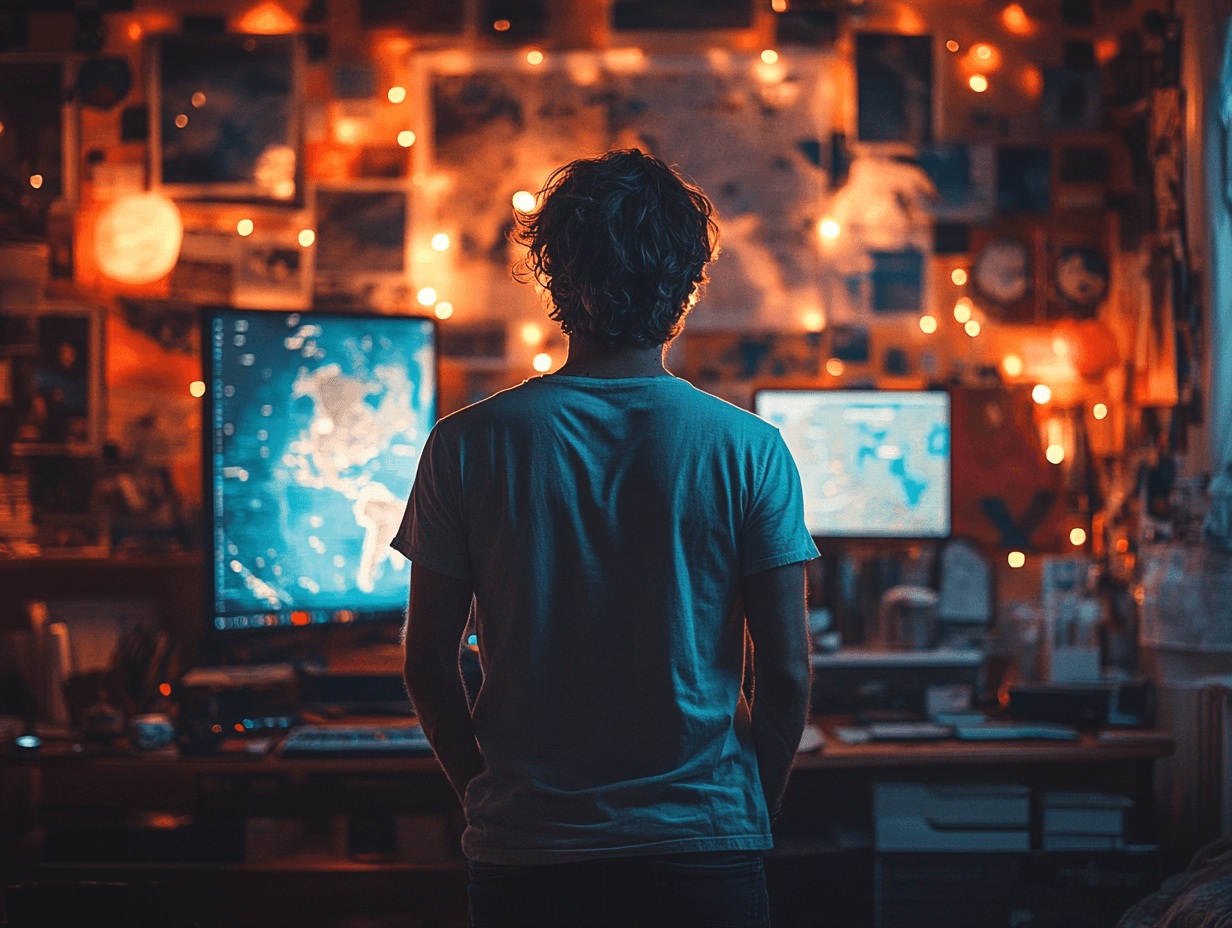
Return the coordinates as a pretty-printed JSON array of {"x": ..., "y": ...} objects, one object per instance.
[
  {"x": 874, "y": 464},
  {"x": 314, "y": 427}
]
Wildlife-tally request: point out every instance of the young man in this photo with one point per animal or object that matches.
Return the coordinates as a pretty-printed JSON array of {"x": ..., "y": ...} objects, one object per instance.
[{"x": 618, "y": 531}]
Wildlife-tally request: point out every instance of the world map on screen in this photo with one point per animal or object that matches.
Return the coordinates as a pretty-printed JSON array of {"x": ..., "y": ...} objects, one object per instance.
[
  {"x": 318, "y": 423},
  {"x": 872, "y": 464}
]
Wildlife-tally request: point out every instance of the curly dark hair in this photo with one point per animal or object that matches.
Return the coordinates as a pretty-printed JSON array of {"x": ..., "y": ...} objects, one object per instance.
[{"x": 621, "y": 243}]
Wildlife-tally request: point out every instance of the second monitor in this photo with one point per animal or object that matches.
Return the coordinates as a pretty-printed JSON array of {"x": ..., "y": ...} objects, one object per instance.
[{"x": 874, "y": 463}]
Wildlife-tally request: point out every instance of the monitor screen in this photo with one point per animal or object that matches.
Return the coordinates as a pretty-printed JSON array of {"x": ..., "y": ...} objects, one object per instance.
[
  {"x": 313, "y": 428},
  {"x": 874, "y": 464}
]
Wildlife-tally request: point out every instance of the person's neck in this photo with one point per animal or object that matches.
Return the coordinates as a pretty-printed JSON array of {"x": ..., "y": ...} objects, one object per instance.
[{"x": 587, "y": 359}]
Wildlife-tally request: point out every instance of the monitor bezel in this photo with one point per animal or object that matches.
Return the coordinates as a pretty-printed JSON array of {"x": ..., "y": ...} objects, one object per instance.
[
  {"x": 376, "y": 624},
  {"x": 870, "y": 540}
]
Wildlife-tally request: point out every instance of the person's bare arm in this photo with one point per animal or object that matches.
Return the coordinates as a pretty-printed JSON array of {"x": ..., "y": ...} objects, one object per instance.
[
  {"x": 777, "y": 617},
  {"x": 435, "y": 621}
]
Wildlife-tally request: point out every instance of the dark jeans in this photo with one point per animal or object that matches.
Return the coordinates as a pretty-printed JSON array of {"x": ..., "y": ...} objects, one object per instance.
[{"x": 703, "y": 890}]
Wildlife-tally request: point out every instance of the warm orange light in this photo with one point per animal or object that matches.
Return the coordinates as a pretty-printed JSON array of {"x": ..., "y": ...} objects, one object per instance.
[
  {"x": 1016, "y": 559},
  {"x": 1012, "y": 365},
  {"x": 769, "y": 56},
  {"x": 137, "y": 238},
  {"x": 779, "y": 6},
  {"x": 952, "y": 45},
  {"x": 348, "y": 131},
  {"x": 215, "y": 728},
  {"x": 307, "y": 237},
  {"x": 426, "y": 296},
  {"x": 524, "y": 201},
  {"x": 834, "y": 367},
  {"x": 181, "y": 120},
  {"x": 978, "y": 83},
  {"x": 396, "y": 94},
  {"x": 830, "y": 229},
  {"x": 440, "y": 242},
  {"x": 135, "y": 32},
  {"x": 958, "y": 276},
  {"x": 542, "y": 362},
  {"x": 164, "y": 689},
  {"x": 444, "y": 310},
  {"x": 1099, "y": 411},
  {"x": 1031, "y": 79},
  {"x": 244, "y": 227},
  {"x": 197, "y": 388},
  {"x": 267, "y": 19},
  {"x": 1106, "y": 49},
  {"x": 972, "y": 327},
  {"x": 1077, "y": 536},
  {"x": 198, "y": 99},
  {"x": 534, "y": 56},
  {"x": 36, "y": 181},
  {"x": 1016, "y": 20},
  {"x": 532, "y": 333},
  {"x": 1041, "y": 393},
  {"x": 962, "y": 310},
  {"x": 501, "y": 25},
  {"x": 406, "y": 138},
  {"x": 239, "y": 726},
  {"x": 983, "y": 52},
  {"x": 928, "y": 325},
  {"x": 1055, "y": 454},
  {"x": 299, "y": 618},
  {"x": 813, "y": 320},
  {"x": 1122, "y": 545}
]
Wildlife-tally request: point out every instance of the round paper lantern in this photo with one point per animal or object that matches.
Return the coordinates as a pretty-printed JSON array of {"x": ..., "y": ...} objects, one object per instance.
[
  {"x": 1091, "y": 343},
  {"x": 137, "y": 238}
]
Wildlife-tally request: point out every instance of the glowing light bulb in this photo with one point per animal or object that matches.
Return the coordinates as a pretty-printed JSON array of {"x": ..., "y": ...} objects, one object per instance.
[
  {"x": 1077, "y": 536},
  {"x": 1055, "y": 454},
  {"x": 181, "y": 121},
  {"x": 198, "y": 99},
  {"x": 834, "y": 367},
  {"x": 972, "y": 328},
  {"x": 1012, "y": 365},
  {"x": 813, "y": 320},
  {"x": 1041, "y": 393},
  {"x": 426, "y": 296},
  {"x": 542, "y": 362},
  {"x": 396, "y": 94},
  {"x": 244, "y": 227},
  {"x": 962, "y": 311},
  {"x": 197, "y": 388},
  {"x": 440, "y": 242},
  {"x": 983, "y": 52},
  {"x": 534, "y": 56},
  {"x": 779, "y": 6},
  {"x": 830, "y": 229},
  {"x": 928, "y": 325},
  {"x": 532, "y": 333},
  {"x": 135, "y": 32},
  {"x": 307, "y": 237},
  {"x": 164, "y": 689},
  {"x": 1015, "y": 19},
  {"x": 406, "y": 138},
  {"x": 952, "y": 45},
  {"x": 769, "y": 56},
  {"x": 958, "y": 276},
  {"x": 501, "y": 25},
  {"x": 1016, "y": 559},
  {"x": 444, "y": 310},
  {"x": 524, "y": 201},
  {"x": 1099, "y": 411},
  {"x": 978, "y": 83},
  {"x": 36, "y": 181}
]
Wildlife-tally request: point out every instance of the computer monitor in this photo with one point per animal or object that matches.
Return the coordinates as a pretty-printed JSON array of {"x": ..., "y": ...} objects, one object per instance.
[
  {"x": 874, "y": 463},
  {"x": 313, "y": 424}
]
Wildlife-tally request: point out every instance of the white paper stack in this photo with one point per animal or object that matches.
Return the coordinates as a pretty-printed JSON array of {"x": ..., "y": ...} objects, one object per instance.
[{"x": 1086, "y": 821}]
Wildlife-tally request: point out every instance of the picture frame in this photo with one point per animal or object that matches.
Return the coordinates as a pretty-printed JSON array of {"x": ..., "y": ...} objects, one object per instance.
[
  {"x": 38, "y": 153},
  {"x": 204, "y": 145},
  {"x": 361, "y": 254},
  {"x": 894, "y": 88},
  {"x": 58, "y": 389}
]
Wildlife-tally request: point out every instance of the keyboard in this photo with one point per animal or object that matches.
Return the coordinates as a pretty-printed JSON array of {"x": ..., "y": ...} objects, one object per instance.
[{"x": 356, "y": 741}]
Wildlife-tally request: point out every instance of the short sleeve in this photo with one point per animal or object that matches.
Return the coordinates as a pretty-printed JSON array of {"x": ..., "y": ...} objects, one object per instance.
[
  {"x": 774, "y": 532},
  {"x": 432, "y": 533}
]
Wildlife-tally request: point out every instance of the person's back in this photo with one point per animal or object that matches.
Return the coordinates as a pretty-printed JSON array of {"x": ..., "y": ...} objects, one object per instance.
[{"x": 614, "y": 526}]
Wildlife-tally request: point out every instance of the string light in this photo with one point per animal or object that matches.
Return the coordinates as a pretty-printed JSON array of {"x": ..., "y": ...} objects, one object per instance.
[
  {"x": 444, "y": 310},
  {"x": 1041, "y": 393},
  {"x": 197, "y": 388},
  {"x": 769, "y": 56},
  {"x": 952, "y": 45},
  {"x": 1099, "y": 411},
  {"x": 534, "y": 56},
  {"x": 244, "y": 227},
  {"x": 36, "y": 181},
  {"x": 440, "y": 242},
  {"x": 542, "y": 362},
  {"x": 1077, "y": 536},
  {"x": 1055, "y": 454},
  {"x": 978, "y": 83},
  {"x": 406, "y": 138},
  {"x": 1016, "y": 559},
  {"x": 426, "y": 296},
  {"x": 830, "y": 229},
  {"x": 307, "y": 237},
  {"x": 834, "y": 367},
  {"x": 958, "y": 276},
  {"x": 962, "y": 310},
  {"x": 524, "y": 201},
  {"x": 1012, "y": 365},
  {"x": 972, "y": 328},
  {"x": 396, "y": 94},
  {"x": 928, "y": 325}
]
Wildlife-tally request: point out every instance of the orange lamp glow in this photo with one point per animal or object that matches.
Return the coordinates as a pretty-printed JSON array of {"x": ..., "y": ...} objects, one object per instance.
[
  {"x": 1016, "y": 20},
  {"x": 137, "y": 238},
  {"x": 267, "y": 19},
  {"x": 978, "y": 83}
]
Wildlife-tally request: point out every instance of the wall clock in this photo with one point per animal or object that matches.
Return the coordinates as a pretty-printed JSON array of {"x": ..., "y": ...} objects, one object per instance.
[{"x": 1002, "y": 271}]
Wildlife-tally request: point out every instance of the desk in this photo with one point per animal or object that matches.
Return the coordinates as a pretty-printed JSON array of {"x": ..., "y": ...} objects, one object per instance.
[{"x": 821, "y": 871}]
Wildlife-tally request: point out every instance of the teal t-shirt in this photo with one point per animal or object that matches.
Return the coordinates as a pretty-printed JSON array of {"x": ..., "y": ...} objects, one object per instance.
[{"x": 605, "y": 526}]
